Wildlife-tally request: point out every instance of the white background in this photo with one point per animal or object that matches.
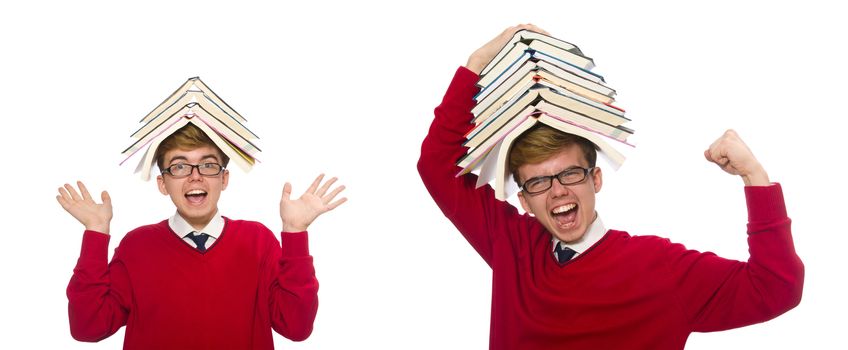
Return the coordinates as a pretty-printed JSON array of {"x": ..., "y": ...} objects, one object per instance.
[{"x": 348, "y": 89}]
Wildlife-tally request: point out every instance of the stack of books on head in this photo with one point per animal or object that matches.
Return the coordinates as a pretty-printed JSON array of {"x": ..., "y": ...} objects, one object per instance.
[
  {"x": 534, "y": 79},
  {"x": 194, "y": 103}
]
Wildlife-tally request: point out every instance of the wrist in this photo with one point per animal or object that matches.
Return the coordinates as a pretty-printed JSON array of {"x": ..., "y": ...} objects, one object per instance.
[
  {"x": 475, "y": 66},
  {"x": 102, "y": 228},
  {"x": 294, "y": 227},
  {"x": 758, "y": 177}
]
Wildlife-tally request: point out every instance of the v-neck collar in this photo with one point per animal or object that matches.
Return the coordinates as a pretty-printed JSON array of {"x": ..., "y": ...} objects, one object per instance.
[{"x": 174, "y": 236}]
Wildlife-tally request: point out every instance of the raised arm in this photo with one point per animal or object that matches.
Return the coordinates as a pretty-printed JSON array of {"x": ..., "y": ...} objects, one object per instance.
[
  {"x": 475, "y": 212},
  {"x": 294, "y": 290},
  {"x": 98, "y": 293},
  {"x": 721, "y": 294}
]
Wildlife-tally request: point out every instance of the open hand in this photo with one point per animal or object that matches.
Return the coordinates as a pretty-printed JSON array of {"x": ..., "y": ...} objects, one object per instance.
[
  {"x": 95, "y": 217},
  {"x": 487, "y": 52},
  {"x": 298, "y": 214},
  {"x": 733, "y": 156}
]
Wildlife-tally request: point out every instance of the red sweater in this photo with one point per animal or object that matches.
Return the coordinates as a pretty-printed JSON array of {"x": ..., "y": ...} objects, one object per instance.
[
  {"x": 625, "y": 292},
  {"x": 171, "y": 296}
]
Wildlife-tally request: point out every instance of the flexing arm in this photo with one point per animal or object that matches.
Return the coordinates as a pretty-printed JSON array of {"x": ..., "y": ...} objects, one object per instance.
[
  {"x": 475, "y": 212},
  {"x": 722, "y": 294},
  {"x": 294, "y": 290},
  {"x": 98, "y": 292}
]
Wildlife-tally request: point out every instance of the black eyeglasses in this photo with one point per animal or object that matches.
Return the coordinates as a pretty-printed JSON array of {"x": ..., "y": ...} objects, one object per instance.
[
  {"x": 181, "y": 170},
  {"x": 568, "y": 176}
]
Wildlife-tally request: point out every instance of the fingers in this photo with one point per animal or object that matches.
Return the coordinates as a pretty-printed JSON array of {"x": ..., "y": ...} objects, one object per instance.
[
  {"x": 531, "y": 27},
  {"x": 72, "y": 192},
  {"x": 287, "y": 189},
  {"x": 62, "y": 201},
  {"x": 83, "y": 191},
  {"x": 334, "y": 193},
  {"x": 107, "y": 200},
  {"x": 319, "y": 191},
  {"x": 717, "y": 152},
  {"x": 312, "y": 188},
  {"x": 337, "y": 203},
  {"x": 66, "y": 197},
  {"x": 323, "y": 189}
]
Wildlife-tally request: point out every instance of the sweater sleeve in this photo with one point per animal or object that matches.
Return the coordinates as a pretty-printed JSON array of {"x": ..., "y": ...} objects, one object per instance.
[
  {"x": 719, "y": 294},
  {"x": 294, "y": 290},
  {"x": 98, "y": 293},
  {"x": 475, "y": 212}
]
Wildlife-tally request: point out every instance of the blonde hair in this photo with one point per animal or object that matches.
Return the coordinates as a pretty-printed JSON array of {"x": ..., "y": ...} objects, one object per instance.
[
  {"x": 542, "y": 142},
  {"x": 188, "y": 137}
]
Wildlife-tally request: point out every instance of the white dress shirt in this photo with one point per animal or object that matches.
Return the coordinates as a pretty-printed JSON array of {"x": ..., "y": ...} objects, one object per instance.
[{"x": 182, "y": 228}]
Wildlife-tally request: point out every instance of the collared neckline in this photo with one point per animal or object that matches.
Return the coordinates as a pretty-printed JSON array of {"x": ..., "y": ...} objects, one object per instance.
[{"x": 182, "y": 228}]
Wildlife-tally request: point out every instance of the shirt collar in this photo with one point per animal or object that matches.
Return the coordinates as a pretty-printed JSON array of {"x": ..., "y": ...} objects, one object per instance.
[
  {"x": 594, "y": 234},
  {"x": 182, "y": 228}
]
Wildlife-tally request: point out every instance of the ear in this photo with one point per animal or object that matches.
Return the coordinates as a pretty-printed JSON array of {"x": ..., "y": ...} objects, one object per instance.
[
  {"x": 524, "y": 203},
  {"x": 225, "y": 179},
  {"x": 597, "y": 179},
  {"x": 161, "y": 183}
]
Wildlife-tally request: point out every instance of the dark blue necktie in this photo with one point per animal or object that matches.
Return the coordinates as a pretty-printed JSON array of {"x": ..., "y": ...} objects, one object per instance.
[
  {"x": 563, "y": 254},
  {"x": 200, "y": 240}
]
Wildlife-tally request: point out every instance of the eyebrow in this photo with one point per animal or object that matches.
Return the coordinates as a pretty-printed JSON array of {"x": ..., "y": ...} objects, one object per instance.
[
  {"x": 205, "y": 157},
  {"x": 572, "y": 167}
]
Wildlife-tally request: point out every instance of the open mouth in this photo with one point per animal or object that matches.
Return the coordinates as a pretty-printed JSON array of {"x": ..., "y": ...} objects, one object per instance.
[
  {"x": 565, "y": 215},
  {"x": 195, "y": 196}
]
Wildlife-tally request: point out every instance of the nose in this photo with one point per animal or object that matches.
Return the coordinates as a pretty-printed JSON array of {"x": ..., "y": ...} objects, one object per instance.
[
  {"x": 558, "y": 189},
  {"x": 195, "y": 174}
]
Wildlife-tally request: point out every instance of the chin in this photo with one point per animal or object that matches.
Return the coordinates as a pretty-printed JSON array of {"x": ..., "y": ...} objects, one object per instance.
[{"x": 196, "y": 213}]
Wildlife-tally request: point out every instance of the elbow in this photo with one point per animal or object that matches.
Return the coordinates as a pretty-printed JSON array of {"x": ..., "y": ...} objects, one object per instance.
[
  {"x": 297, "y": 324},
  {"x": 796, "y": 287},
  {"x": 425, "y": 170},
  {"x": 422, "y": 165},
  {"x": 86, "y": 335},
  {"x": 298, "y": 334},
  {"x": 788, "y": 295},
  {"x": 87, "y": 329}
]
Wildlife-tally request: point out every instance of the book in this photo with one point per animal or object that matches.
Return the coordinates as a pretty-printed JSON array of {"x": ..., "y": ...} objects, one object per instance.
[
  {"x": 539, "y": 79},
  {"x": 592, "y": 88},
  {"x": 485, "y": 142},
  {"x": 205, "y": 101},
  {"x": 192, "y": 84},
  {"x": 194, "y": 102},
  {"x": 533, "y": 95},
  {"x": 525, "y": 36},
  {"x": 538, "y": 75},
  {"x": 537, "y": 50},
  {"x": 210, "y": 119}
]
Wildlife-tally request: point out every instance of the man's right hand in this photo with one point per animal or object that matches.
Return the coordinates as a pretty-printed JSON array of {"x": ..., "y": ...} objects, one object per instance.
[
  {"x": 95, "y": 217},
  {"x": 483, "y": 55}
]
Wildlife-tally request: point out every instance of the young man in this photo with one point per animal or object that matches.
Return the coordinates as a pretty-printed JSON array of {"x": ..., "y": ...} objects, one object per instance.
[
  {"x": 561, "y": 280},
  {"x": 198, "y": 280}
]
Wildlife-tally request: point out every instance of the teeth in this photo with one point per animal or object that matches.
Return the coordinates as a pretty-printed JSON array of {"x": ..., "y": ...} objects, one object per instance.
[
  {"x": 193, "y": 192},
  {"x": 563, "y": 208}
]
